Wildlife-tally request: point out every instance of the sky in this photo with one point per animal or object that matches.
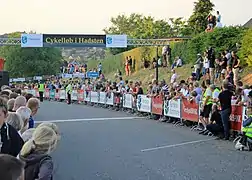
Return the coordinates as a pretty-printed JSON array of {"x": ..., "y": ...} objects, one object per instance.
[{"x": 92, "y": 16}]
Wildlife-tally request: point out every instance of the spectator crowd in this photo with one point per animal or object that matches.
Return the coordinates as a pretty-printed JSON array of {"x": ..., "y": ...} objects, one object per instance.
[{"x": 25, "y": 150}]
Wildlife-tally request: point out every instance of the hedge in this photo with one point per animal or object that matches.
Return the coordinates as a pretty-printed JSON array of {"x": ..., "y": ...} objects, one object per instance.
[{"x": 220, "y": 39}]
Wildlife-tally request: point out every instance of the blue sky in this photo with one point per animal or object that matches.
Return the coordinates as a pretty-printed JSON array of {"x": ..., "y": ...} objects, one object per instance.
[{"x": 90, "y": 17}]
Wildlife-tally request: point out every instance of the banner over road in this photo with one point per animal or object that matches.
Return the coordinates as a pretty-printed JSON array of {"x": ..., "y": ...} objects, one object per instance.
[{"x": 71, "y": 40}]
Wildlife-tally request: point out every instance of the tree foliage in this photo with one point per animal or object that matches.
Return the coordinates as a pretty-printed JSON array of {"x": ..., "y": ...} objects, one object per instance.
[
  {"x": 220, "y": 39},
  {"x": 138, "y": 26},
  {"x": 246, "y": 47},
  {"x": 198, "y": 20},
  {"x": 23, "y": 62}
]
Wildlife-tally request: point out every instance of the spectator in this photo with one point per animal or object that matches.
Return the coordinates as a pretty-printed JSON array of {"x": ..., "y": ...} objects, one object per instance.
[
  {"x": 100, "y": 69},
  {"x": 230, "y": 75},
  {"x": 25, "y": 114},
  {"x": 207, "y": 106},
  {"x": 33, "y": 104},
  {"x": 215, "y": 93},
  {"x": 198, "y": 66},
  {"x": 28, "y": 96},
  {"x": 217, "y": 70},
  {"x": 229, "y": 58},
  {"x": 206, "y": 65},
  {"x": 36, "y": 154},
  {"x": 218, "y": 20},
  {"x": 11, "y": 168},
  {"x": 215, "y": 127},
  {"x": 15, "y": 121},
  {"x": 10, "y": 105},
  {"x": 225, "y": 98},
  {"x": 27, "y": 135},
  {"x": 173, "y": 77},
  {"x": 6, "y": 97},
  {"x": 223, "y": 64},
  {"x": 19, "y": 102},
  {"x": 13, "y": 95},
  {"x": 236, "y": 66},
  {"x": 211, "y": 58},
  {"x": 53, "y": 126},
  {"x": 11, "y": 140}
]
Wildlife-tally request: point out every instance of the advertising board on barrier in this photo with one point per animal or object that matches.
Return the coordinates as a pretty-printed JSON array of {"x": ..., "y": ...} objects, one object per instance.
[
  {"x": 87, "y": 95},
  {"x": 157, "y": 105},
  {"x": 94, "y": 97},
  {"x": 110, "y": 99},
  {"x": 92, "y": 74},
  {"x": 236, "y": 118},
  {"x": 74, "y": 95},
  {"x": 143, "y": 103},
  {"x": 52, "y": 94},
  {"x": 80, "y": 95},
  {"x": 62, "y": 94},
  {"x": 127, "y": 100},
  {"x": 190, "y": 110},
  {"x": 172, "y": 108},
  {"x": 102, "y": 98}
]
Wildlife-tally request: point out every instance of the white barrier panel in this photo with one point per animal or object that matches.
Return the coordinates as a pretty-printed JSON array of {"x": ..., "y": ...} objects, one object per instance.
[
  {"x": 110, "y": 99},
  {"x": 127, "y": 100},
  {"x": 143, "y": 103},
  {"x": 172, "y": 108},
  {"x": 33, "y": 92},
  {"x": 102, "y": 99},
  {"x": 74, "y": 95},
  {"x": 62, "y": 94},
  {"x": 94, "y": 97},
  {"x": 87, "y": 96}
]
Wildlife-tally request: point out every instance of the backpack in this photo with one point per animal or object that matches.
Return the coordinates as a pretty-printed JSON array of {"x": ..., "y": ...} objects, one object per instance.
[{"x": 32, "y": 170}]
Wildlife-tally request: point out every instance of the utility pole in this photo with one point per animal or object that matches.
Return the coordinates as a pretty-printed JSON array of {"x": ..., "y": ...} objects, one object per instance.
[{"x": 157, "y": 65}]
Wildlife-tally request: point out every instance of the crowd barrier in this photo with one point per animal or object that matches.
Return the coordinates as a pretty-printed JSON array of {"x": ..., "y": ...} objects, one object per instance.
[{"x": 180, "y": 108}]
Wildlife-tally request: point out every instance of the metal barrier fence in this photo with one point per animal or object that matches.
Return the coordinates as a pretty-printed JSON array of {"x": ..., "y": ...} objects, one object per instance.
[{"x": 181, "y": 109}]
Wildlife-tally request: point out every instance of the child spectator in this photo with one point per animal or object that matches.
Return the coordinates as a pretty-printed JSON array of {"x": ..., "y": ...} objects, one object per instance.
[
  {"x": 33, "y": 104},
  {"x": 36, "y": 154}
]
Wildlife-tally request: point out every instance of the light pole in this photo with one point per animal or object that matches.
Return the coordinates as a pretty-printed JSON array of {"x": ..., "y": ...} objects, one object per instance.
[{"x": 157, "y": 65}]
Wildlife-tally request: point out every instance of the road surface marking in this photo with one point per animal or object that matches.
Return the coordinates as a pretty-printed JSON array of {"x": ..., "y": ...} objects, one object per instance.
[
  {"x": 176, "y": 145},
  {"x": 90, "y": 119}
]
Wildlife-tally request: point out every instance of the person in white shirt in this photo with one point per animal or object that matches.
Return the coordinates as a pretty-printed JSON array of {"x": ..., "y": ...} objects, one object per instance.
[
  {"x": 173, "y": 77},
  {"x": 179, "y": 62},
  {"x": 215, "y": 93}
]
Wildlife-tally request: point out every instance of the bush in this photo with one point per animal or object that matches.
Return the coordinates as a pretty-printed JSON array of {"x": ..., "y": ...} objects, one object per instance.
[
  {"x": 246, "y": 48},
  {"x": 220, "y": 39}
]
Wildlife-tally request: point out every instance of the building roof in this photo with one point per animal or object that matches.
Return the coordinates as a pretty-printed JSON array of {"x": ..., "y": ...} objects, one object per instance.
[{"x": 248, "y": 24}]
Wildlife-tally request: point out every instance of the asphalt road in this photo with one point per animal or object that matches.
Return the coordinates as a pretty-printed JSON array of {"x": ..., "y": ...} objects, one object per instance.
[{"x": 98, "y": 144}]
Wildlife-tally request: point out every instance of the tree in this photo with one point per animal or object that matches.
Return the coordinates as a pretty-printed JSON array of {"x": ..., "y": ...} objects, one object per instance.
[
  {"x": 198, "y": 20},
  {"x": 23, "y": 62},
  {"x": 246, "y": 48},
  {"x": 139, "y": 27}
]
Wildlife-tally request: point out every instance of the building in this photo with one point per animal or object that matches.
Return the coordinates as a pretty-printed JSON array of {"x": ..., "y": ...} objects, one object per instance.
[{"x": 248, "y": 24}]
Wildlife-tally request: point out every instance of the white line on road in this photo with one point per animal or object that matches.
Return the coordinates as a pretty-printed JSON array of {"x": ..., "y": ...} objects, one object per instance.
[
  {"x": 176, "y": 145},
  {"x": 90, "y": 119}
]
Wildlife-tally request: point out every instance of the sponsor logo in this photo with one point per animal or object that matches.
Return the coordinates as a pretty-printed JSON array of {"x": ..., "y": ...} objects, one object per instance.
[{"x": 191, "y": 111}]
